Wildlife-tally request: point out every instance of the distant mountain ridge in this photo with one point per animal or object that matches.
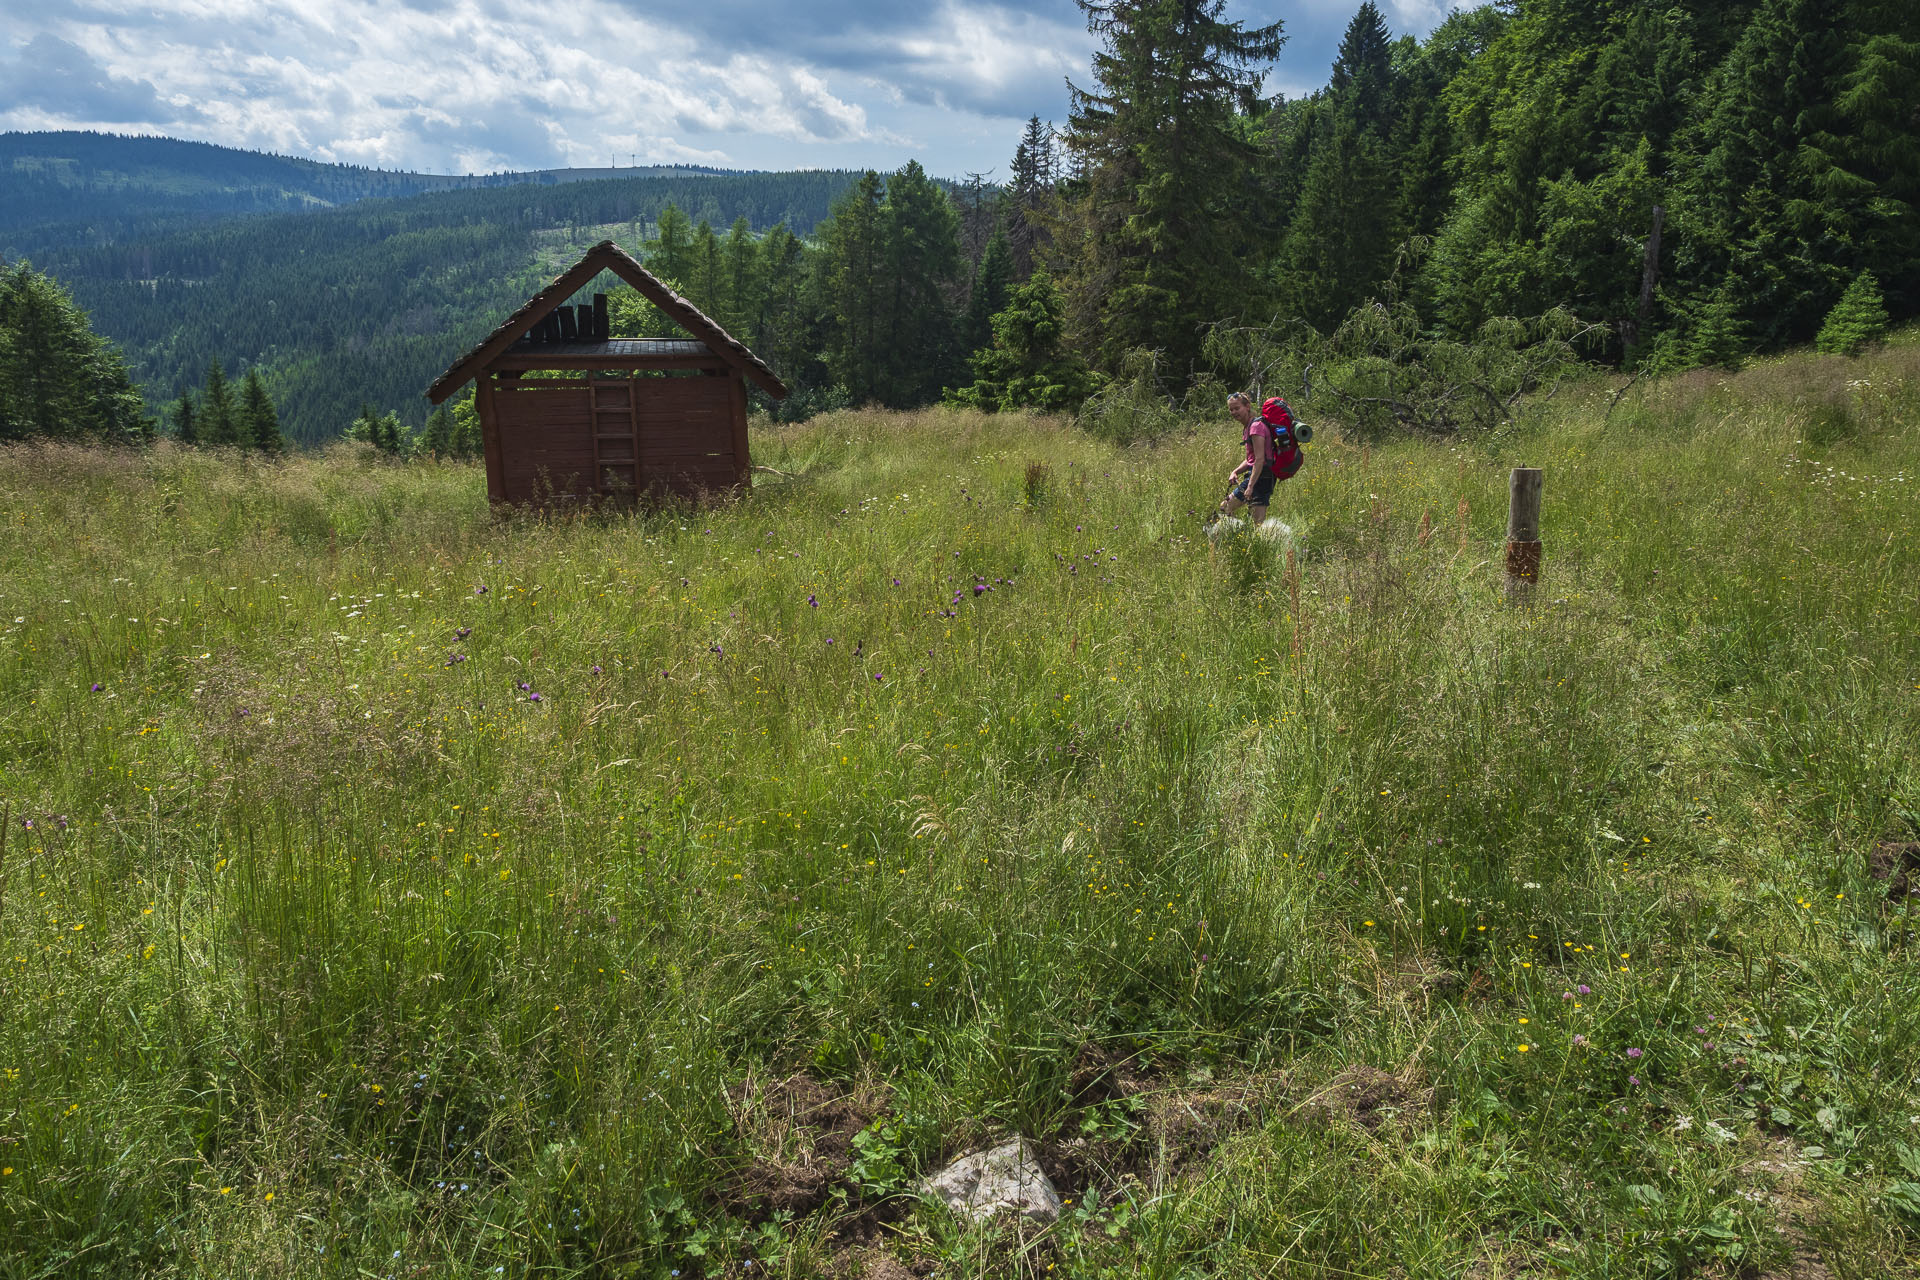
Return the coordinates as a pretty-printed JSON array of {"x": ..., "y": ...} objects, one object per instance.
[
  {"x": 70, "y": 187},
  {"x": 366, "y": 301}
]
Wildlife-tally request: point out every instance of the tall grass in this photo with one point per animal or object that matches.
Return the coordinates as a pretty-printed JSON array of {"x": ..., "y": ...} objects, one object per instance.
[{"x": 420, "y": 893}]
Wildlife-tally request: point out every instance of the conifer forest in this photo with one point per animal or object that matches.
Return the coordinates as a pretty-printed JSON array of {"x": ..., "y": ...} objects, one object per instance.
[{"x": 1681, "y": 187}]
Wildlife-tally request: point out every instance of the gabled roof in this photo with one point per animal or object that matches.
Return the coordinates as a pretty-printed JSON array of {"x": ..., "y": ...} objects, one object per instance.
[{"x": 608, "y": 256}]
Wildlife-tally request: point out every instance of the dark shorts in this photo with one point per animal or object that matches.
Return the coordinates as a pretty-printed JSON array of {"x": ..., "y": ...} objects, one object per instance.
[{"x": 1262, "y": 489}]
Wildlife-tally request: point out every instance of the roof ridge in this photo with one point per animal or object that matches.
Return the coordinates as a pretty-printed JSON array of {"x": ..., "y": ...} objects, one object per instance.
[{"x": 563, "y": 286}]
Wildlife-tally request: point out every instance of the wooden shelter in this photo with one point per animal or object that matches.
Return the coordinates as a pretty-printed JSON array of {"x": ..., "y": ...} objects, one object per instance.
[{"x": 631, "y": 416}]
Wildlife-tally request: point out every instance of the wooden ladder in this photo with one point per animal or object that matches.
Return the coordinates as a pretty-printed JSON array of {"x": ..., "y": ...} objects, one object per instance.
[{"x": 616, "y": 443}]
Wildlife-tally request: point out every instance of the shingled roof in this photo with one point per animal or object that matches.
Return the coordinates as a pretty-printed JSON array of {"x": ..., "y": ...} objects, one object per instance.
[{"x": 608, "y": 256}]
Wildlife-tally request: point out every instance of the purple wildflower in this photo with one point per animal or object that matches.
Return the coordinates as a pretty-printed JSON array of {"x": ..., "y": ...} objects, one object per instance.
[
  {"x": 1633, "y": 1080},
  {"x": 876, "y": 675},
  {"x": 1579, "y": 1041},
  {"x": 1636, "y": 1053},
  {"x": 718, "y": 652},
  {"x": 97, "y": 686},
  {"x": 896, "y": 582},
  {"x": 829, "y": 640},
  {"x": 1584, "y": 989},
  {"x": 463, "y": 633},
  {"x": 978, "y": 587},
  {"x": 812, "y": 602},
  {"x": 1566, "y": 995},
  {"x": 479, "y": 591},
  {"x": 533, "y": 697},
  {"x": 596, "y": 668},
  {"x": 524, "y": 686}
]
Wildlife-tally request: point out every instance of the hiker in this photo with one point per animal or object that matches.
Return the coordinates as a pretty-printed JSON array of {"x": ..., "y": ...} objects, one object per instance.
[{"x": 1273, "y": 454}]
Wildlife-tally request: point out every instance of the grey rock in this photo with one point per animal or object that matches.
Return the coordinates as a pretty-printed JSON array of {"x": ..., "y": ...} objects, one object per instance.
[{"x": 1003, "y": 1178}]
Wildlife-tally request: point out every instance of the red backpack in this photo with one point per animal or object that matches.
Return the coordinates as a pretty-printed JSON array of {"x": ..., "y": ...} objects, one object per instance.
[{"x": 1287, "y": 454}]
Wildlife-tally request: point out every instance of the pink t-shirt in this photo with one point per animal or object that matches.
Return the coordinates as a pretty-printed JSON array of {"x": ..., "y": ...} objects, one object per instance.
[{"x": 1256, "y": 430}]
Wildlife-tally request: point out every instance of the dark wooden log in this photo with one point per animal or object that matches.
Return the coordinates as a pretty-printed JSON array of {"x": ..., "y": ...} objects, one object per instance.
[
  {"x": 1650, "y": 268},
  {"x": 569, "y": 327},
  {"x": 602, "y": 331},
  {"x": 583, "y": 321}
]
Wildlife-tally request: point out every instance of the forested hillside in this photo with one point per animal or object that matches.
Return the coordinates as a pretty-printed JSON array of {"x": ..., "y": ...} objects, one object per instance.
[
  {"x": 368, "y": 303},
  {"x": 1533, "y": 183},
  {"x": 1700, "y": 181},
  {"x": 92, "y": 188}
]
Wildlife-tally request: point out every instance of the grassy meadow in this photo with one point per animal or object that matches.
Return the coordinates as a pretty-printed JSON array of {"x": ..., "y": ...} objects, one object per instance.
[{"x": 391, "y": 891}]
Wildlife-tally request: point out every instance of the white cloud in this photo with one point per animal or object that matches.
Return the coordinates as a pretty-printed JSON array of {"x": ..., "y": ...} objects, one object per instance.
[{"x": 465, "y": 85}]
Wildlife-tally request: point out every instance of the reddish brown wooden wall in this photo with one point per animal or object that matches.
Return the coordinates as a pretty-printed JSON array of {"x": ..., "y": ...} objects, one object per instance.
[{"x": 684, "y": 431}]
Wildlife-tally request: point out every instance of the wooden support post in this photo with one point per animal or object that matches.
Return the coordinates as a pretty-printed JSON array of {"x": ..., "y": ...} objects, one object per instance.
[
  {"x": 737, "y": 403},
  {"x": 483, "y": 393},
  {"x": 1523, "y": 532},
  {"x": 569, "y": 329}
]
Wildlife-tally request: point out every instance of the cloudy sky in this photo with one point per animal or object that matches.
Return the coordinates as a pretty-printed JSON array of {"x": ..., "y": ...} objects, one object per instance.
[{"x": 462, "y": 86}]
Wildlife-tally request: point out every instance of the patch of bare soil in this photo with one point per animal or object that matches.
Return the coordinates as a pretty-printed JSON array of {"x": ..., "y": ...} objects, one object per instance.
[
  {"x": 1897, "y": 863},
  {"x": 1783, "y": 1167},
  {"x": 1100, "y": 1075},
  {"x": 875, "y": 1264},
  {"x": 1510, "y": 1260},
  {"x": 800, "y": 1132},
  {"x": 1179, "y": 1122},
  {"x": 1369, "y": 1098},
  {"x": 1184, "y": 1125}
]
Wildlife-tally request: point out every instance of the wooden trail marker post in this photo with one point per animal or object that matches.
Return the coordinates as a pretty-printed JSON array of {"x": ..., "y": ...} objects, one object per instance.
[{"x": 1523, "y": 532}]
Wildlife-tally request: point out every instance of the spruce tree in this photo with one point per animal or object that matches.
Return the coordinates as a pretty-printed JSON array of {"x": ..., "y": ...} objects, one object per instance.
[
  {"x": 784, "y": 339},
  {"x": 1164, "y": 221},
  {"x": 1340, "y": 246},
  {"x": 1362, "y": 80},
  {"x": 1028, "y": 365},
  {"x": 57, "y": 377},
  {"x": 185, "y": 429},
  {"x": 923, "y": 260},
  {"x": 1754, "y": 211},
  {"x": 745, "y": 283},
  {"x": 1718, "y": 336},
  {"x": 1858, "y": 320},
  {"x": 219, "y": 416},
  {"x": 670, "y": 254},
  {"x": 259, "y": 420},
  {"x": 1028, "y": 192},
  {"x": 992, "y": 283},
  {"x": 856, "y": 283}
]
